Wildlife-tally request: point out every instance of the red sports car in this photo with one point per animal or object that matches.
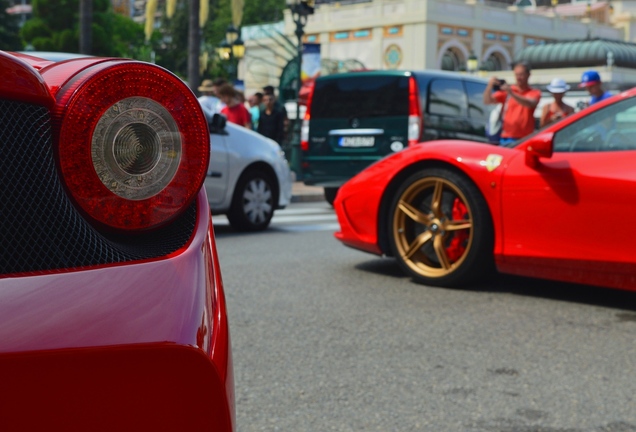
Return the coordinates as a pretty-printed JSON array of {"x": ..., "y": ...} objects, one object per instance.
[
  {"x": 112, "y": 312},
  {"x": 556, "y": 205}
]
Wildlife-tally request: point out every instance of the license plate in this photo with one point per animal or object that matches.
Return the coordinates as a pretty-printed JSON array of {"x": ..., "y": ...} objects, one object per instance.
[{"x": 356, "y": 141}]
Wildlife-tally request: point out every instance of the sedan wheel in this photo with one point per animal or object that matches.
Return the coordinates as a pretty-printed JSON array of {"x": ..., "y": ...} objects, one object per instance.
[
  {"x": 253, "y": 203},
  {"x": 440, "y": 229}
]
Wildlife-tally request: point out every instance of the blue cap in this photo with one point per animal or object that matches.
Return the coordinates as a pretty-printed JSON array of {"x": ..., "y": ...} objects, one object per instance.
[{"x": 589, "y": 78}]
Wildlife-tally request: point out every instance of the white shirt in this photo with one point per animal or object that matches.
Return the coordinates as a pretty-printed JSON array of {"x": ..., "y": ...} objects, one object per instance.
[{"x": 211, "y": 105}]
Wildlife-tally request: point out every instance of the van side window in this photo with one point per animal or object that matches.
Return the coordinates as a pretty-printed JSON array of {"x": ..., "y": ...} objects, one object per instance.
[
  {"x": 476, "y": 107},
  {"x": 447, "y": 97}
]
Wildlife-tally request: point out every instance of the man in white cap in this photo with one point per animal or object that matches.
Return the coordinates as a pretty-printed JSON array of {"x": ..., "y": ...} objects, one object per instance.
[
  {"x": 591, "y": 81},
  {"x": 557, "y": 109}
]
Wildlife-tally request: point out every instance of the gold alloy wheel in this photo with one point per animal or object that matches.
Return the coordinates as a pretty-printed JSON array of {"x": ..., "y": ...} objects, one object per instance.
[{"x": 430, "y": 239}]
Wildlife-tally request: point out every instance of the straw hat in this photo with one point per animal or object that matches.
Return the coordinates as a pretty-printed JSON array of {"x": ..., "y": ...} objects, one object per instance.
[
  {"x": 206, "y": 85},
  {"x": 558, "y": 85}
]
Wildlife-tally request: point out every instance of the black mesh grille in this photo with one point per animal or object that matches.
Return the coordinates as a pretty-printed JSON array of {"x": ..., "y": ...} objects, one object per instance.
[{"x": 40, "y": 229}]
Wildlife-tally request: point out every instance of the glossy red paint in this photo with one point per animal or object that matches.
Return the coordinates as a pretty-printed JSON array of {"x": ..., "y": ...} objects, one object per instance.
[
  {"x": 119, "y": 313},
  {"x": 158, "y": 387},
  {"x": 26, "y": 84},
  {"x": 137, "y": 345},
  {"x": 556, "y": 215},
  {"x": 361, "y": 200}
]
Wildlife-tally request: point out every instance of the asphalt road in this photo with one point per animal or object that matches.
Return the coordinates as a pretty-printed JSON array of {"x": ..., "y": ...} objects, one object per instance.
[{"x": 326, "y": 338}]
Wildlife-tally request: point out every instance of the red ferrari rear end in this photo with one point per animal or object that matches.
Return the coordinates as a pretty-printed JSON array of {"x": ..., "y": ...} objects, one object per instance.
[{"x": 112, "y": 312}]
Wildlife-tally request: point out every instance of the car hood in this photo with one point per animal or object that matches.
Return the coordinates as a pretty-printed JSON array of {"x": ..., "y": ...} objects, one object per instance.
[
  {"x": 250, "y": 137},
  {"x": 466, "y": 155}
]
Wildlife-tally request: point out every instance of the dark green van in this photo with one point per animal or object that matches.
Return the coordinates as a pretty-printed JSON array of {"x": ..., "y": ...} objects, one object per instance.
[{"x": 356, "y": 118}]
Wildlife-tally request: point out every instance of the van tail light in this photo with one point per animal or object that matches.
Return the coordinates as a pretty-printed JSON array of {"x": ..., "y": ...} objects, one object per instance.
[
  {"x": 304, "y": 130},
  {"x": 415, "y": 113},
  {"x": 132, "y": 142}
]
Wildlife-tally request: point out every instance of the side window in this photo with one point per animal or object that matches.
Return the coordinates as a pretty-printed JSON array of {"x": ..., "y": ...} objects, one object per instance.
[
  {"x": 612, "y": 128},
  {"x": 447, "y": 97},
  {"x": 476, "y": 107}
]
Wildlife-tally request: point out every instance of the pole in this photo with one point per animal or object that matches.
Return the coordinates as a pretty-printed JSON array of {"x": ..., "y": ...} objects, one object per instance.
[
  {"x": 194, "y": 45},
  {"x": 299, "y": 20}
]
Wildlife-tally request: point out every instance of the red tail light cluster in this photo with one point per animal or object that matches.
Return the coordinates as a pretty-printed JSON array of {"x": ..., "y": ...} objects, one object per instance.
[
  {"x": 133, "y": 144},
  {"x": 304, "y": 130},
  {"x": 415, "y": 113}
]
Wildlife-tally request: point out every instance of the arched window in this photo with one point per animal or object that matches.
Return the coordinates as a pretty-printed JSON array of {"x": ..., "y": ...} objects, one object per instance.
[
  {"x": 495, "y": 62},
  {"x": 452, "y": 60}
]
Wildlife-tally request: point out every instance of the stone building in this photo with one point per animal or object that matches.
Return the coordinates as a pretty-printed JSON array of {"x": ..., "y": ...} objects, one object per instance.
[{"x": 444, "y": 34}]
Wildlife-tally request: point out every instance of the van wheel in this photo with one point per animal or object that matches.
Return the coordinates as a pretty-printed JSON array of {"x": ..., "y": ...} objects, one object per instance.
[
  {"x": 253, "y": 203},
  {"x": 330, "y": 194}
]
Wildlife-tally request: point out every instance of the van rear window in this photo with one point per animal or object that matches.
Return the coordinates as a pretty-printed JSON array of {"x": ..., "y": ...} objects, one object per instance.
[{"x": 361, "y": 96}]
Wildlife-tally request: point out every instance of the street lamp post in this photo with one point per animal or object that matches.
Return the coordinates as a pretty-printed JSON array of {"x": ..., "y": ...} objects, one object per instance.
[
  {"x": 232, "y": 49},
  {"x": 300, "y": 10}
]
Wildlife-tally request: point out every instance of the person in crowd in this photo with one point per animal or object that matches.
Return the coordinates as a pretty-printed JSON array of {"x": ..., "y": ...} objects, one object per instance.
[
  {"x": 234, "y": 110},
  {"x": 269, "y": 90},
  {"x": 557, "y": 109},
  {"x": 208, "y": 100},
  {"x": 255, "y": 102},
  {"x": 216, "y": 85},
  {"x": 240, "y": 96},
  {"x": 591, "y": 81},
  {"x": 519, "y": 101},
  {"x": 271, "y": 121}
]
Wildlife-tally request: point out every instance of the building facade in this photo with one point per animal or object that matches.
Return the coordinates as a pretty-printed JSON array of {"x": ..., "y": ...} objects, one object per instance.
[{"x": 435, "y": 34}]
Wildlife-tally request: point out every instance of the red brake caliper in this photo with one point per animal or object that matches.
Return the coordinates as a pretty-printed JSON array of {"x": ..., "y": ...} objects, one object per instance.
[{"x": 456, "y": 247}]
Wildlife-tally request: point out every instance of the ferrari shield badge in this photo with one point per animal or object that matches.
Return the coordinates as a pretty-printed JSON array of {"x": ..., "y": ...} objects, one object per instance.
[{"x": 493, "y": 161}]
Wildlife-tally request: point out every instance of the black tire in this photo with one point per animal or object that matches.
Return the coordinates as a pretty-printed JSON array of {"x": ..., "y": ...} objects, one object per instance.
[
  {"x": 253, "y": 202},
  {"x": 330, "y": 194},
  {"x": 440, "y": 229}
]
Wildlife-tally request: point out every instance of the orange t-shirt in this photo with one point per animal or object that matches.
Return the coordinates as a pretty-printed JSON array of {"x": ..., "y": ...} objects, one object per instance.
[{"x": 518, "y": 121}]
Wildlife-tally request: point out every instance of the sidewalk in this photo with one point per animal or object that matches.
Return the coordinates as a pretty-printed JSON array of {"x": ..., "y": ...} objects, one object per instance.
[{"x": 304, "y": 193}]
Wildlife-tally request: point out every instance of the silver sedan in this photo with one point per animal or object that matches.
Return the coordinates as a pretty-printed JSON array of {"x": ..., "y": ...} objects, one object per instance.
[{"x": 248, "y": 176}]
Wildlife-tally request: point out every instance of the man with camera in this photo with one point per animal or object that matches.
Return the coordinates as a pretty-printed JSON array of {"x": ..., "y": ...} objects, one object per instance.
[{"x": 519, "y": 102}]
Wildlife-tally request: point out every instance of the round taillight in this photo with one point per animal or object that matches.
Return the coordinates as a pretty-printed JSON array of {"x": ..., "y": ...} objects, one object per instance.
[{"x": 133, "y": 144}]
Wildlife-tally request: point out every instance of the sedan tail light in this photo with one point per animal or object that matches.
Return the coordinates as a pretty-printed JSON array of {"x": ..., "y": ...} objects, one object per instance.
[{"x": 132, "y": 142}]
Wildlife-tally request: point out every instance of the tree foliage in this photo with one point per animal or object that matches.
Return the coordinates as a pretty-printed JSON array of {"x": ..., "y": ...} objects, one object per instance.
[
  {"x": 9, "y": 29},
  {"x": 172, "y": 42},
  {"x": 254, "y": 12},
  {"x": 55, "y": 27}
]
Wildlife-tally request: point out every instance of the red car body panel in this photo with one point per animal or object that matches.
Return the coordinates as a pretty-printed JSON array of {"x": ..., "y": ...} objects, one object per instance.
[
  {"x": 141, "y": 345},
  {"x": 566, "y": 217}
]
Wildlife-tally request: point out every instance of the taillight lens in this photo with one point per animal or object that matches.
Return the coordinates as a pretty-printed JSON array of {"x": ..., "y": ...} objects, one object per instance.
[
  {"x": 304, "y": 130},
  {"x": 414, "y": 129},
  {"x": 304, "y": 135},
  {"x": 133, "y": 144},
  {"x": 415, "y": 113}
]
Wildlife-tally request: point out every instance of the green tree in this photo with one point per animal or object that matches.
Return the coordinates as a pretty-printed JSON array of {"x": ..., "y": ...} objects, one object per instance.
[
  {"x": 172, "y": 41},
  {"x": 112, "y": 34},
  {"x": 254, "y": 12},
  {"x": 9, "y": 29}
]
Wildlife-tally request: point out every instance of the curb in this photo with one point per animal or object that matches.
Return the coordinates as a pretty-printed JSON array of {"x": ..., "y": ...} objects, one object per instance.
[{"x": 296, "y": 198}]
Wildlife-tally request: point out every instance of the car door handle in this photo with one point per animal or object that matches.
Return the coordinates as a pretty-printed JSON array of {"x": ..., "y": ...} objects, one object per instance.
[{"x": 215, "y": 174}]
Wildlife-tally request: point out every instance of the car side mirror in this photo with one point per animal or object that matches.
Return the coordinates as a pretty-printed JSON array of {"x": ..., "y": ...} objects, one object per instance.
[
  {"x": 539, "y": 146},
  {"x": 217, "y": 123}
]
